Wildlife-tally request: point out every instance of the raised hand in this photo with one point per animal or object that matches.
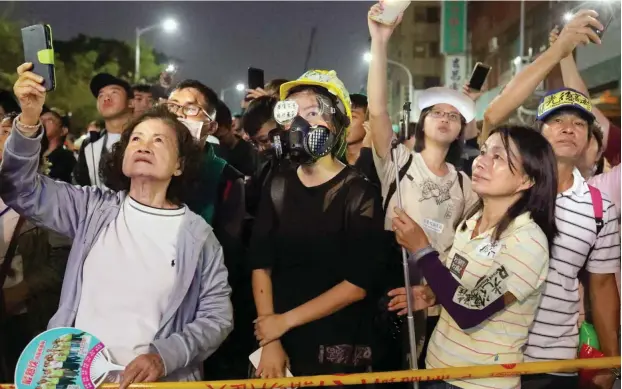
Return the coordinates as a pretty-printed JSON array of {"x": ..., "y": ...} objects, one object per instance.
[
  {"x": 30, "y": 93},
  {"x": 378, "y": 31},
  {"x": 578, "y": 31}
]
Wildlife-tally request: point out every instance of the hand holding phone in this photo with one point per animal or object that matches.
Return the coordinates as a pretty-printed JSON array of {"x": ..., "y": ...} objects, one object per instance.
[
  {"x": 30, "y": 93},
  {"x": 390, "y": 10},
  {"x": 478, "y": 76},
  {"x": 39, "y": 50}
]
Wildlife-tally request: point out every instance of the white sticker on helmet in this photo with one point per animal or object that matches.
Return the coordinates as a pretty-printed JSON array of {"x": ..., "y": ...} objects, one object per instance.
[{"x": 285, "y": 111}]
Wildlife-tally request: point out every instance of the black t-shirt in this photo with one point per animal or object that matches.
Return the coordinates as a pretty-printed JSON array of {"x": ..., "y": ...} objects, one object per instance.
[
  {"x": 242, "y": 156},
  {"x": 365, "y": 164},
  {"x": 63, "y": 162},
  {"x": 316, "y": 240}
]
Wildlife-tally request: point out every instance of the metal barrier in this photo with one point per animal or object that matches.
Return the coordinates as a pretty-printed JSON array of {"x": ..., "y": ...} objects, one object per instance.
[{"x": 486, "y": 371}]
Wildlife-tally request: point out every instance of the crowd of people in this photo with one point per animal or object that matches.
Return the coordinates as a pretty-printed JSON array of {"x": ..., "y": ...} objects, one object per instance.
[{"x": 171, "y": 220}]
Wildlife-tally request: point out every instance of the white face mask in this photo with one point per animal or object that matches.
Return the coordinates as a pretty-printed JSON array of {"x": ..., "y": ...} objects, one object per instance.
[{"x": 193, "y": 126}]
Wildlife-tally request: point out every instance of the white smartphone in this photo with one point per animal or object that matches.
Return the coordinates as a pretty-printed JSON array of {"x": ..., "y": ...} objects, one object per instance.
[
  {"x": 391, "y": 10},
  {"x": 256, "y": 357}
]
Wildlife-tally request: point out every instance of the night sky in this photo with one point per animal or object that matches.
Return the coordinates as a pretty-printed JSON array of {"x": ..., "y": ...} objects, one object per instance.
[{"x": 218, "y": 41}]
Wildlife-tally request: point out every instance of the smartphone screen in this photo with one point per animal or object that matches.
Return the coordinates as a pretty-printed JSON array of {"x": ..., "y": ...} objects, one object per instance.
[
  {"x": 478, "y": 77},
  {"x": 38, "y": 49},
  {"x": 255, "y": 78}
]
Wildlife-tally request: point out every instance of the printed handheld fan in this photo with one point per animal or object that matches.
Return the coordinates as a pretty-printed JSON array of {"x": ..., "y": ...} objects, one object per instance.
[{"x": 63, "y": 357}]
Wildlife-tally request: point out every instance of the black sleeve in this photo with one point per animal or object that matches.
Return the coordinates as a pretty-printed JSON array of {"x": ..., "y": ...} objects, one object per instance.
[
  {"x": 365, "y": 165},
  {"x": 365, "y": 237},
  {"x": 234, "y": 207},
  {"x": 228, "y": 226},
  {"x": 66, "y": 168},
  {"x": 262, "y": 253},
  {"x": 81, "y": 169},
  {"x": 245, "y": 159}
]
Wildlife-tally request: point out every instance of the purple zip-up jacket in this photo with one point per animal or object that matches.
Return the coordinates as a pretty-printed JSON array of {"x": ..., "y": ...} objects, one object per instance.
[{"x": 199, "y": 316}]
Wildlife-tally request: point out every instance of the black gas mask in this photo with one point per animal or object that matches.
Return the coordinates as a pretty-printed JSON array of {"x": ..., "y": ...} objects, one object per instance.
[{"x": 303, "y": 142}]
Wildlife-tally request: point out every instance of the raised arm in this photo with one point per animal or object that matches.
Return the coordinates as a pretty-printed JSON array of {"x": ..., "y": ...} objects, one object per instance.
[
  {"x": 525, "y": 83},
  {"x": 572, "y": 79},
  {"x": 56, "y": 205},
  {"x": 379, "y": 120}
]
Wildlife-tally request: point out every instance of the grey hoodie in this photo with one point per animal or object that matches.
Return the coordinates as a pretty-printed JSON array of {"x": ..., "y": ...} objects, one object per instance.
[{"x": 199, "y": 316}]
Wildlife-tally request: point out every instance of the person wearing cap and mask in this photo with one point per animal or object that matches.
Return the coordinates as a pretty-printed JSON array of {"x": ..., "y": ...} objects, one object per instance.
[
  {"x": 114, "y": 97},
  {"x": 564, "y": 117},
  {"x": 315, "y": 247},
  {"x": 435, "y": 194}
]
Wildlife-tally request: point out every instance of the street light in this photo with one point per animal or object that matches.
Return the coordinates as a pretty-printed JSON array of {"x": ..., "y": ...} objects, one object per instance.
[
  {"x": 239, "y": 87},
  {"x": 367, "y": 58},
  {"x": 168, "y": 25},
  {"x": 171, "y": 68}
]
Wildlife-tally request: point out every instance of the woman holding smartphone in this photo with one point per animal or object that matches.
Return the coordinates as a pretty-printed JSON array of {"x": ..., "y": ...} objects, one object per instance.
[{"x": 435, "y": 193}]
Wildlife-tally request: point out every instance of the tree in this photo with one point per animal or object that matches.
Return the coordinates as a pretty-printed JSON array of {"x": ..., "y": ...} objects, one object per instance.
[{"x": 76, "y": 62}]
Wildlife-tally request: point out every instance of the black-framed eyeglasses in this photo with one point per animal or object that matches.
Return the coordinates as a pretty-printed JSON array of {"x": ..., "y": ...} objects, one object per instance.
[{"x": 187, "y": 109}]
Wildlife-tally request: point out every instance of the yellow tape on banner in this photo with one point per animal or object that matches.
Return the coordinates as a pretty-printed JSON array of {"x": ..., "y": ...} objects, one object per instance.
[{"x": 387, "y": 377}]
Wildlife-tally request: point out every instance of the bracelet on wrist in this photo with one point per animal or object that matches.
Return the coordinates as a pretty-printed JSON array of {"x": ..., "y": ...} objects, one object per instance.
[{"x": 25, "y": 127}]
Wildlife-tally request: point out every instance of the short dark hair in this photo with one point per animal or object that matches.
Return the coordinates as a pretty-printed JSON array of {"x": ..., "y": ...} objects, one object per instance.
[
  {"x": 454, "y": 155},
  {"x": 340, "y": 120},
  {"x": 11, "y": 116},
  {"x": 223, "y": 115},
  {"x": 259, "y": 112},
  {"x": 597, "y": 133},
  {"x": 181, "y": 187},
  {"x": 64, "y": 120},
  {"x": 358, "y": 101},
  {"x": 540, "y": 165},
  {"x": 275, "y": 84},
  {"x": 211, "y": 98},
  {"x": 8, "y": 102},
  {"x": 141, "y": 88}
]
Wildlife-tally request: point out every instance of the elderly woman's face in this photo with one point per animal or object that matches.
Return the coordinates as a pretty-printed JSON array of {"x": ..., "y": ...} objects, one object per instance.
[{"x": 152, "y": 152}]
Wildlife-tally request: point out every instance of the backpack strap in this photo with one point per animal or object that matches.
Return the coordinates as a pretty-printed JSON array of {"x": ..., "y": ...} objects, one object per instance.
[
  {"x": 461, "y": 182},
  {"x": 597, "y": 203},
  {"x": 277, "y": 193},
  {"x": 393, "y": 187}
]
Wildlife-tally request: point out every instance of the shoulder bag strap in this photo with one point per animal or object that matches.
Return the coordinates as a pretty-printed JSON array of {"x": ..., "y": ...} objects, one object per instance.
[{"x": 393, "y": 187}]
